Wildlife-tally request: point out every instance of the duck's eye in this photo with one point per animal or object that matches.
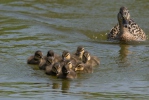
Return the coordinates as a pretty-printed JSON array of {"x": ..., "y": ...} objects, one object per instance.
[
  {"x": 66, "y": 55},
  {"x": 38, "y": 55},
  {"x": 88, "y": 55},
  {"x": 80, "y": 50},
  {"x": 79, "y": 66},
  {"x": 69, "y": 63}
]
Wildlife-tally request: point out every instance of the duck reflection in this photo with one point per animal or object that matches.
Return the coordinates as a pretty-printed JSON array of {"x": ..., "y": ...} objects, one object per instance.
[
  {"x": 123, "y": 60},
  {"x": 55, "y": 86},
  {"x": 65, "y": 85}
]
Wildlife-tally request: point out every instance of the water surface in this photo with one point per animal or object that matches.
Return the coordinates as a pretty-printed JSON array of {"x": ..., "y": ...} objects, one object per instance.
[{"x": 30, "y": 25}]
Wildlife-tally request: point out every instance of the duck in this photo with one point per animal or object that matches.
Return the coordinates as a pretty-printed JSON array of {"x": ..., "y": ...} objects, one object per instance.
[
  {"x": 90, "y": 60},
  {"x": 127, "y": 29},
  {"x": 49, "y": 62},
  {"x": 51, "y": 53},
  {"x": 54, "y": 70},
  {"x": 36, "y": 59},
  {"x": 67, "y": 56},
  {"x": 67, "y": 71},
  {"x": 83, "y": 68},
  {"x": 79, "y": 52}
]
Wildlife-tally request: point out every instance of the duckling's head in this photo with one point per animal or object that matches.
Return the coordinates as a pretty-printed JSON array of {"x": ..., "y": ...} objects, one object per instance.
[
  {"x": 67, "y": 66},
  {"x": 50, "y": 61},
  {"x": 79, "y": 67},
  {"x": 86, "y": 57},
  {"x": 123, "y": 17},
  {"x": 80, "y": 51},
  {"x": 56, "y": 68},
  {"x": 50, "y": 53},
  {"x": 66, "y": 55},
  {"x": 38, "y": 55}
]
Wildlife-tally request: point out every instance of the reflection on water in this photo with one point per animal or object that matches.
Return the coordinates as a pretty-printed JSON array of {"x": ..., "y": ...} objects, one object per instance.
[
  {"x": 65, "y": 85},
  {"x": 123, "y": 53},
  {"x": 55, "y": 86}
]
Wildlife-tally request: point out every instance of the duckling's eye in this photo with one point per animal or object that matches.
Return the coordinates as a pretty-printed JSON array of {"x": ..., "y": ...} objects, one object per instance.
[
  {"x": 88, "y": 55},
  {"x": 79, "y": 66},
  {"x": 80, "y": 50},
  {"x": 67, "y": 55},
  {"x": 50, "y": 59},
  {"x": 38, "y": 55},
  {"x": 69, "y": 63}
]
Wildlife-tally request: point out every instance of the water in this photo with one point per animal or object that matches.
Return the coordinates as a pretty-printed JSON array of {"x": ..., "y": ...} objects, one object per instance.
[{"x": 30, "y": 25}]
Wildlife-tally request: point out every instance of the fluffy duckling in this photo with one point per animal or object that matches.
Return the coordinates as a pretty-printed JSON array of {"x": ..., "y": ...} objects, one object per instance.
[
  {"x": 36, "y": 58},
  {"x": 56, "y": 57},
  {"x": 83, "y": 68},
  {"x": 67, "y": 56},
  {"x": 49, "y": 62},
  {"x": 126, "y": 29},
  {"x": 90, "y": 60},
  {"x": 67, "y": 71},
  {"x": 79, "y": 52},
  {"x": 53, "y": 70}
]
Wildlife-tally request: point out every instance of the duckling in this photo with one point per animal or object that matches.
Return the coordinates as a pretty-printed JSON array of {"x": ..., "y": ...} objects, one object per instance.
[
  {"x": 67, "y": 71},
  {"x": 56, "y": 57},
  {"x": 36, "y": 58},
  {"x": 67, "y": 56},
  {"x": 90, "y": 60},
  {"x": 53, "y": 70},
  {"x": 83, "y": 68},
  {"x": 79, "y": 52},
  {"x": 126, "y": 29},
  {"x": 49, "y": 62}
]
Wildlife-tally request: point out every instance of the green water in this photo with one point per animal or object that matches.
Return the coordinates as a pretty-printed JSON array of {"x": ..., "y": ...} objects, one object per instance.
[{"x": 30, "y": 25}]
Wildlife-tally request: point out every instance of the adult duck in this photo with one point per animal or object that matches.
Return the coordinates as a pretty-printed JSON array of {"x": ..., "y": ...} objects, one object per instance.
[{"x": 126, "y": 29}]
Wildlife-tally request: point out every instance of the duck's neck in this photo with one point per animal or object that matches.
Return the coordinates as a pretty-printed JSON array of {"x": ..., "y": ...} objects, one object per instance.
[{"x": 124, "y": 34}]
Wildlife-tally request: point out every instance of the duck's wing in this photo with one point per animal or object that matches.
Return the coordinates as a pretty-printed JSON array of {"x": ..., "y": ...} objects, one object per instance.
[
  {"x": 113, "y": 33},
  {"x": 136, "y": 31}
]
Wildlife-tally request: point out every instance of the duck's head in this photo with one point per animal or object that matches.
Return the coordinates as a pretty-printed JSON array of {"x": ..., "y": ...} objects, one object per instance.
[
  {"x": 79, "y": 67},
  {"x": 50, "y": 53},
  {"x": 56, "y": 68},
  {"x": 80, "y": 51},
  {"x": 123, "y": 17},
  {"x": 67, "y": 66},
  {"x": 86, "y": 57},
  {"x": 38, "y": 55},
  {"x": 66, "y": 55}
]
